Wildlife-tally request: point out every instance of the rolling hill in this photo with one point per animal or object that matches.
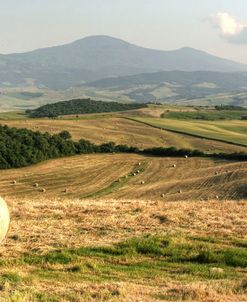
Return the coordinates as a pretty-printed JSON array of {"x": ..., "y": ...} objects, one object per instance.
[
  {"x": 98, "y": 57},
  {"x": 174, "y": 86}
]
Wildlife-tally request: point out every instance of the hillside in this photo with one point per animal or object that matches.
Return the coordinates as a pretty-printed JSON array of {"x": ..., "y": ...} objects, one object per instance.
[
  {"x": 175, "y": 86},
  {"x": 97, "y": 57},
  {"x": 81, "y": 106},
  {"x": 104, "y": 176}
]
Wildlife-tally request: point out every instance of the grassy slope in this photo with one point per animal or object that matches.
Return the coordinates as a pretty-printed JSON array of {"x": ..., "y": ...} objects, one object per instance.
[
  {"x": 105, "y": 176},
  {"x": 112, "y": 127},
  {"x": 69, "y": 250},
  {"x": 232, "y": 132}
]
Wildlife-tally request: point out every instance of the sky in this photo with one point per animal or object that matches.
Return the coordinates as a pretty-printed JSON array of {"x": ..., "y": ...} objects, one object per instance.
[{"x": 216, "y": 26}]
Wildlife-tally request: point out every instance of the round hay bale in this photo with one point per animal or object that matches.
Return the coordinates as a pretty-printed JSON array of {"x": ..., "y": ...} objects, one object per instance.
[
  {"x": 14, "y": 182},
  {"x": 139, "y": 164},
  {"x": 217, "y": 197},
  {"x": 216, "y": 270},
  {"x": 174, "y": 166},
  {"x": 36, "y": 185},
  {"x": 66, "y": 190},
  {"x": 162, "y": 195},
  {"x": 4, "y": 219},
  {"x": 134, "y": 174},
  {"x": 43, "y": 190},
  {"x": 142, "y": 182},
  {"x": 180, "y": 191},
  {"x": 186, "y": 156},
  {"x": 138, "y": 171}
]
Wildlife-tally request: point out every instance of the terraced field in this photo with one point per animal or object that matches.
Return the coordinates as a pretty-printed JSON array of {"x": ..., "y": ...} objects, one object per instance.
[
  {"x": 122, "y": 131},
  {"x": 112, "y": 176}
]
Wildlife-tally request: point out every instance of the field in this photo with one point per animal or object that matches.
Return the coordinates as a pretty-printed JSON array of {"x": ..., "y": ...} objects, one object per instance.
[
  {"x": 127, "y": 227},
  {"x": 121, "y": 130},
  {"x": 124, "y": 250},
  {"x": 229, "y": 131},
  {"x": 111, "y": 176}
]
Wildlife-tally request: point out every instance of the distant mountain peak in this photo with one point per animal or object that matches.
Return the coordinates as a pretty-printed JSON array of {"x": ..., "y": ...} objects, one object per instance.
[{"x": 96, "y": 57}]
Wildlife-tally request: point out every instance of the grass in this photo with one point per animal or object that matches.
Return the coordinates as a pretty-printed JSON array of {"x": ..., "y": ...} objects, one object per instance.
[
  {"x": 116, "y": 184},
  {"x": 208, "y": 115},
  {"x": 12, "y": 115},
  {"x": 117, "y": 250},
  {"x": 149, "y": 259},
  {"x": 234, "y": 132}
]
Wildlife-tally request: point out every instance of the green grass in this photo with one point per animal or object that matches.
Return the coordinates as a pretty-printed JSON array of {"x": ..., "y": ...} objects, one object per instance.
[
  {"x": 115, "y": 185},
  {"x": 149, "y": 259},
  {"x": 208, "y": 115},
  {"x": 141, "y": 258},
  {"x": 13, "y": 115},
  {"x": 234, "y": 132}
]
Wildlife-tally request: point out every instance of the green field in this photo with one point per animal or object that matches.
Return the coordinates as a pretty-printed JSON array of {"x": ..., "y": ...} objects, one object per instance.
[
  {"x": 208, "y": 115},
  {"x": 234, "y": 131}
]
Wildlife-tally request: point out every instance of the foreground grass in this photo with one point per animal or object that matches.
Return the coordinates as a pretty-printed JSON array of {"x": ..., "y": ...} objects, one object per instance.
[
  {"x": 147, "y": 260},
  {"x": 234, "y": 132}
]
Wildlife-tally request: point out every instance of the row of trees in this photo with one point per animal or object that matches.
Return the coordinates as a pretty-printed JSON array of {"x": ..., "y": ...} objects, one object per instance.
[
  {"x": 23, "y": 147},
  {"x": 80, "y": 106}
]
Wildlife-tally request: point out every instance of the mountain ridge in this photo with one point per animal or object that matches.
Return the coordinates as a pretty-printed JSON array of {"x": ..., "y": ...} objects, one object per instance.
[{"x": 96, "y": 57}]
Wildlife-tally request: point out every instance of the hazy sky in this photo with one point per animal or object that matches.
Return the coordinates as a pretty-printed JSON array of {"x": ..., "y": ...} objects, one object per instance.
[{"x": 216, "y": 26}]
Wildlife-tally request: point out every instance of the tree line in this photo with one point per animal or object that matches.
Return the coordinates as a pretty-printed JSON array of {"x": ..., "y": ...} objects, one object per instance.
[
  {"x": 23, "y": 147},
  {"x": 80, "y": 106}
]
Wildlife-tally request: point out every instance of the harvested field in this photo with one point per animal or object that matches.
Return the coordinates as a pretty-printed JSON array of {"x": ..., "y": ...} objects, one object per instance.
[
  {"x": 112, "y": 175},
  {"x": 122, "y": 131}
]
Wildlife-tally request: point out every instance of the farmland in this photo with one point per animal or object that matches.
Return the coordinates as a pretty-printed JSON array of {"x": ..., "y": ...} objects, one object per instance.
[{"x": 128, "y": 227}]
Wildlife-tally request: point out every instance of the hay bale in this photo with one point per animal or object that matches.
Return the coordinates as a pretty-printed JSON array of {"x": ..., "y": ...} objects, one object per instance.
[
  {"x": 142, "y": 182},
  {"x": 43, "y": 190},
  {"x": 174, "y": 166},
  {"x": 162, "y": 195},
  {"x": 66, "y": 190},
  {"x": 180, "y": 191},
  {"x": 216, "y": 270},
  {"x": 138, "y": 171},
  {"x": 14, "y": 182},
  {"x": 139, "y": 164},
  {"x": 217, "y": 197},
  {"x": 186, "y": 156},
  {"x": 36, "y": 185},
  {"x": 4, "y": 219},
  {"x": 134, "y": 174}
]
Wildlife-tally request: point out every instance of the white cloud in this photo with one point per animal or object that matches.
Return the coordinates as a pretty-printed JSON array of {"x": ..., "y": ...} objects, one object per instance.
[{"x": 228, "y": 25}]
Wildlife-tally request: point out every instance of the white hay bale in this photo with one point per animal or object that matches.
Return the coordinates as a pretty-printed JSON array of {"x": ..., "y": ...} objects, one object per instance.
[
  {"x": 138, "y": 171},
  {"x": 217, "y": 197},
  {"x": 4, "y": 219},
  {"x": 186, "y": 156},
  {"x": 180, "y": 191},
  {"x": 43, "y": 190},
  {"x": 134, "y": 174},
  {"x": 139, "y": 164},
  {"x": 14, "y": 182},
  {"x": 36, "y": 185},
  {"x": 162, "y": 195},
  {"x": 142, "y": 182},
  {"x": 174, "y": 166}
]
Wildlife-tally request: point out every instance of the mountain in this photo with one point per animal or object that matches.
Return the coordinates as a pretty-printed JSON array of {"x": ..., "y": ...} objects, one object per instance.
[
  {"x": 170, "y": 86},
  {"x": 98, "y": 57}
]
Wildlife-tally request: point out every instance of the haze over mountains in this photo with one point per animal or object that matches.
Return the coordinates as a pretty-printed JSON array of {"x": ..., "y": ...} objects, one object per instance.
[{"x": 97, "y": 57}]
